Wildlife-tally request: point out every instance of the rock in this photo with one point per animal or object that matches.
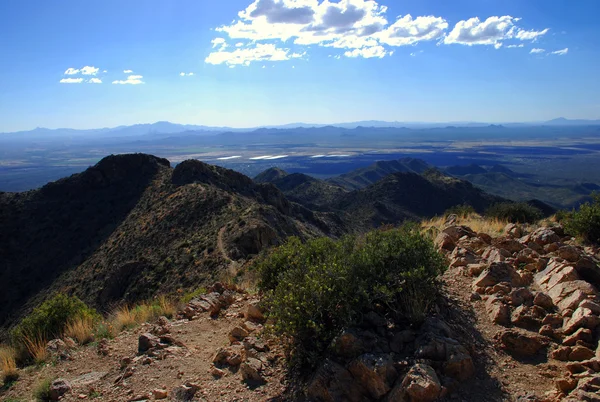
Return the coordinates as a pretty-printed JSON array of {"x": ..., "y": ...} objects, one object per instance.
[
  {"x": 160, "y": 393},
  {"x": 566, "y": 385},
  {"x": 421, "y": 384},
  {"x": 185, "y": 392},
  {"x": 502, "y": 288},
  {"x": 251, "y": 370},
  {"x": 476, "y": 269},
  {"x": 561, "y": 353},
  {"x": 498, "y": 312},
  {"x": 579, "y": 353},
  {"x": 513, "y": 230},
  {"x": 493, "y": 255},
  {"x": 525, "y": 317},
  {"x": 332, "y": 382},
  {"x": 569, "y": 294},
  {"x": 456, "y": 232},
  {"x": 376, "y": 374},
  {"x": 444, "y": 241},
  {"x": 510, "y": 245},
  {"x": 543, "y": 236},
  {"x": 554, "y": 320},
  {"x": 555, "y": 272},
  {"x": 521, "y": 296},
  {"x": 485, "y": 237},
  {"x": 581, "y": 318},
  {"x": 220, "y": 356},
  {"x": 237, "y": 334},
  {"x": 543, "y": 300},
  {"x": 523, "y": 344},
  {"x": 547, "y": 330},
  {"x": 251, "y": 326},
  {"x": 146, "y": 342},
  {"x": 372, "y": 319},
  {"x": 569, "y": 253},
  {"x": 459, "y": 364},
  {"x": 594, "y": 307},
  {"x": 254, "y": 313},
  {"x": 588, "y": 268},
  {"x": 496, "y": 273},
  {"x": 550, "y": 248},
  {"x": 59, "y": 349},
  {"x": 58, "y": 388},
  {"x": 348, "y": 344},
  {"x": 581, "y": 335},
  {"x": 527, "y": 256}
]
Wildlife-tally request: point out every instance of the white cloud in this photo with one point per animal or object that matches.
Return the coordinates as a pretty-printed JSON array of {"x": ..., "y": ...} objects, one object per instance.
[
  {"x": 72, "y": 71},
  {"x": 218, "y": 42},
  {"x": 71, "y": 81},
  {"x": 104, "y": 71},
  {"x": 182, "y": 74},
  {"x": 89, "y": 70},
  {"x": 515, "y": 46},
  {"x": 131, "y": 80},
  {"x": 359, "y": 27},
  {"x": 261, "y": 52},
  {"x": 408, "y": 31},
  {"x": 492, "y": 31},
  {"x": 128, "y": 71},
  {"x": 530, "y": 35},
  {"x": 537, "y": 51},
  {"x": 94, "y": 81},
  {"x": 561, "y": 52},
  {"x": 368, "y": 52}
]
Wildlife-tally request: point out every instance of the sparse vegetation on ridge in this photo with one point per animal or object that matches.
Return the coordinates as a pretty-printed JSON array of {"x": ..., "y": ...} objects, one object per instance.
[
  {"x": 515, "y": 212},
  {"x": 584, "y": 222},
  {"x": 315, "y": 289}
]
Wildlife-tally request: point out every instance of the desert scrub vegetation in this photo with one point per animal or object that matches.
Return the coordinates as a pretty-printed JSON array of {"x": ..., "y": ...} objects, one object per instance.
[
  {"x": 478, "y": 223},
  {"x": 514, "y": 212},
  {"x": 41, "y": 392},
  {"x": 315, "y": 289},
  {"x": 584, "y": 222},
  {"x": 461, "y": 211},
  {"x": 50, "y": 318},
  {"x": 8, "y": 365},
  {"x": 81, "y": 329},
  {"x": 129, "y": 317}
]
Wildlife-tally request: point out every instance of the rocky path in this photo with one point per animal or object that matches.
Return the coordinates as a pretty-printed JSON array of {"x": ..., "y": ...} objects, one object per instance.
[
  {"x": 172, "y": 360},
  {"x": 536, "y": 306}
]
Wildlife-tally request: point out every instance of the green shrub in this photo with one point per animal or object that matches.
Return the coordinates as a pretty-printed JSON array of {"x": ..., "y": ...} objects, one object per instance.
[
  {"x": 462, "y": 211},
  {"x": 315, "y": 289},
  {"x": 41, "y": 391},
  {"x": 585, "y": 222},
  {"x": 515, "y": 212},
  {"x": 48, "y": 320}
]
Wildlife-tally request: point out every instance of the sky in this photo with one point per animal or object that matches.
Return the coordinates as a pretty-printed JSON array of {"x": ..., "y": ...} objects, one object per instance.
[{"x": 245, "y": 63}]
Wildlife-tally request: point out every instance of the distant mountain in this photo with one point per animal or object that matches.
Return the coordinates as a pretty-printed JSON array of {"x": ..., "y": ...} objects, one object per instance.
[
  {"x": 561, "y": 121},
  {"x": 464, "y": 170},
  {"x": 366, "y": 176},
  {"x": 409, "y": 196},
  {"x": 306, "y": 190},
  {"x": 131, "y": 226}
]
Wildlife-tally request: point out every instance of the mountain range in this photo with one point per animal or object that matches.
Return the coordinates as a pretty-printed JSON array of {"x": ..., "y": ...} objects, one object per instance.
[
  {"x": 132, "y": 226},
  {"x": 165, "y": 127}
]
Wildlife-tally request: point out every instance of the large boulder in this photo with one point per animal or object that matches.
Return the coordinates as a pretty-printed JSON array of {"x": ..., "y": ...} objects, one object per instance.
[
  {"x": 496, "y": 273},
  {"x": 521, "y": 344},
  {"x": 374, "y": 373},
  {"x": 444, "y": 241},
  {"x": 421, "y": 384},
  {"x": 332, "y": 382},
  {"x": 581, "y": 318}
]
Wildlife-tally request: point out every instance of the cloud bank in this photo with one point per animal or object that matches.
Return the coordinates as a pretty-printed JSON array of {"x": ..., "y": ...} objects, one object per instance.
[{"x": 274, "y": 30}]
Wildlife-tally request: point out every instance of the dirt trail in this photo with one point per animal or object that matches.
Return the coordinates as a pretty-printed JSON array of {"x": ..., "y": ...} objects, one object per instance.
[{"x": 95, "y": 377}]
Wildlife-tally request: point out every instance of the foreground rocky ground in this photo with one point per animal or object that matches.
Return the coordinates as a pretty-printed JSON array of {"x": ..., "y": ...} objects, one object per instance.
[{"x": 518, "y": 320}]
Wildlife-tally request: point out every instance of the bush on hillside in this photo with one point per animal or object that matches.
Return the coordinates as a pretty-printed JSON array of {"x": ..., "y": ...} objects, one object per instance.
[
  {"x": 515, "y": 212},
  {"x": 315, "y": 289},
  {"x": 585, "y": 222},
  {"x": 462, "y": 211},
  {"x": 49, "y": 320}
]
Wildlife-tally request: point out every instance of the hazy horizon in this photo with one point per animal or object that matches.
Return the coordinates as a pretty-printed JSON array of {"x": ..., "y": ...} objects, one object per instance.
[{"x": 250, "y": 63}]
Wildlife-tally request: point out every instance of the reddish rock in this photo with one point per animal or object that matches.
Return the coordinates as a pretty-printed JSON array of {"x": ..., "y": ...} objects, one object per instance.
[
  {"x": 524, "y": 344},
  {"x": 496, "y": 273},
  {"x": 521, "y": 296},
  {"x": 561, "y": 353},
  {"x": 554, "y": 320},
  {"x": 543, "y": 300},
  {"x": 581, "y": 335},
  {"x": 566, "y": 385},
  {"x": 568, "y": 295},
  {"x": 421, "y": 384},
  {"x": 579, "y": 353},
  {"x": 444, "y": 241},
  {"x": 581, "y": 318},
  {"x": 569, "y": 253},
  {"x": 375, "y": 373}
]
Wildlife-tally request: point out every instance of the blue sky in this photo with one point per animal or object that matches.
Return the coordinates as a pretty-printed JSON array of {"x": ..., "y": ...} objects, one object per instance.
[{"x": 281, "y": 61}]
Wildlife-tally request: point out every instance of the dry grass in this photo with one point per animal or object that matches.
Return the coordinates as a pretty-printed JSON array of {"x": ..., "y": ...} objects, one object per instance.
[
  {"x": 37, "y": 347},
  {"x": 479, "y": 224},
  {"x": 80, "y": 329},
  {"x": 8, "y": 364},
  {"x": 127, "y": 317}
]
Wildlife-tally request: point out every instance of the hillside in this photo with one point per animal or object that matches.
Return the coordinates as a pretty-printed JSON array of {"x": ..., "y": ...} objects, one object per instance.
[
  {"x": 366, "y": 176},
  {"x": 303, "y": 189},
  {"x": 132, "y": 226},
  {"x": 409, "y": 196}
]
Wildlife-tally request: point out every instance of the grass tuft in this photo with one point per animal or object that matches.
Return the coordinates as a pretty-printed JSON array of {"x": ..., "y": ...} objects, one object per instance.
[
  {"x": 41, "y": 391},
  {"x": 8, "y": 364},
  {"x": 81, "y": 329},
  {"x": 37, "y": 347}
]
